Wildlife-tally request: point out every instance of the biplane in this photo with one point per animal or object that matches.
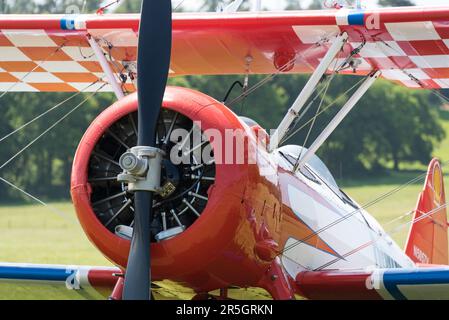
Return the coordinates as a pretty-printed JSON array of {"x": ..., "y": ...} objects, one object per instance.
[{"x": 276, "y": 219}]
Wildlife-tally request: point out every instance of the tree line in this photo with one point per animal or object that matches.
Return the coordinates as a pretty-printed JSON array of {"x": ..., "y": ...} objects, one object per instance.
[{"x": 389, "y": 126}]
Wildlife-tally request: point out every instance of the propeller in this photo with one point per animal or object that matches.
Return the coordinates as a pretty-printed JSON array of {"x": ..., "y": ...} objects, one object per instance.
[{"x": 153, "y": 63}]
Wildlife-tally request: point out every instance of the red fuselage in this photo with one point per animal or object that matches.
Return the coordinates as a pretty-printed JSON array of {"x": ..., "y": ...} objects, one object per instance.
[
  {"x": 235, "y": 240},
  {"x": 248, "y": 218}
]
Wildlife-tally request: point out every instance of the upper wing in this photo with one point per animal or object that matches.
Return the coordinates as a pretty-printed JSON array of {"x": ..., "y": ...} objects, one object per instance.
[
  {"x": 51, "y": 53},
  {"x": 389, "y": 284}
]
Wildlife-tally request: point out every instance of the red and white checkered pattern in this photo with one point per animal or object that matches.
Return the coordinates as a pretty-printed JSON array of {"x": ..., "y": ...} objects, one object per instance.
[
  {"x": 43, "y": 60},
  {"x": 410, "y": 46},
  {"x": 415, "y": 54}
]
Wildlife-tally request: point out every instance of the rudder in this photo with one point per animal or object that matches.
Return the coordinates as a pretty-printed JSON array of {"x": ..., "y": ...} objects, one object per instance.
[{"x": 427, "y": 241}]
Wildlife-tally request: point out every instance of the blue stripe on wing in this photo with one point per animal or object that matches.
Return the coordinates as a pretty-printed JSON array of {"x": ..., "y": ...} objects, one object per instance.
[
  {"x": 393, "y": 278},
  {"x": 356, "y": 18},
  {"x": 35, "y": 273}
]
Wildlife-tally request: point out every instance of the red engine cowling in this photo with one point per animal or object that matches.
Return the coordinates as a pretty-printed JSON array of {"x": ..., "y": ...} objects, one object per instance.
[{"x": 219, "y": 247}]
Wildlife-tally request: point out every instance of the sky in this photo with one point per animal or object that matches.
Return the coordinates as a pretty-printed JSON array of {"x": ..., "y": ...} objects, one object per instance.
[
  {"x": 279, "y": 4},
  {"x": 431, "y": 2}
]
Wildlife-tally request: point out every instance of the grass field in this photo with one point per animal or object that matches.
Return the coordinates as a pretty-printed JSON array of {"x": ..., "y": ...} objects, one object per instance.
[{"x": 35, "y": 234}]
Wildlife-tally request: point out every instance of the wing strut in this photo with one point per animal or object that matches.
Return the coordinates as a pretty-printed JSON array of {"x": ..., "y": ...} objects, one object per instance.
[
  {"x": 307, "y": 91},
  {"x": 338, "y": 119},
  {"x": 106, "y": 67}
]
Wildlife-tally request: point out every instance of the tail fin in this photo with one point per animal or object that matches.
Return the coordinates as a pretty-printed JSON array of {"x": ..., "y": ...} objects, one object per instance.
[{"x": 427, "y": 241}]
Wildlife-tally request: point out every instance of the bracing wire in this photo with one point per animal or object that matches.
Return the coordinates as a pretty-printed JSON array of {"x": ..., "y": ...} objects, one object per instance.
[
  {"x": 326, "y": 87},
  {"x": 50, "y": 128},
  {"x": 322, "y": 111},
  {"x": 271, "y": 76},
  {"x": 61, "y": 213},
  {"x": 370, "y": 203},
  {"x": 179, "y": 5},
  {"x": 334, "y": 72},
  {"x": 434, "y": 91},
  {"x": 261, "y": 83},
  {"x": 379, "y": 236},
  {"x": 52, "y": 208},
  {"x": 440, "y": 95},
  {"x": 363, "y": 207},
  {"x": 45, "y": 112},
  {"x": 392, "y": 232}
]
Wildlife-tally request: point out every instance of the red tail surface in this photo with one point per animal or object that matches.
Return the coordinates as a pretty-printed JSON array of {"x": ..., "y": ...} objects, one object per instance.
[{"x": 427, "y": 241}]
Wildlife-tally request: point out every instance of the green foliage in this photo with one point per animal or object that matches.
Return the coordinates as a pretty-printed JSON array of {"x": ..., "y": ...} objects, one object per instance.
[
  {"x": 129, "y": 6},
  {"x": 293, "y": 5},
  {"x": 316, "y": 5},
  {"x": 49, "y": 6},
  {"x": 396, "y": 3},
  {"x": 44, "y": 168},
  {"x": 266, "y": 106},
  {"x": 390, "y": 126},
  {"x": 210, "y": 5}
]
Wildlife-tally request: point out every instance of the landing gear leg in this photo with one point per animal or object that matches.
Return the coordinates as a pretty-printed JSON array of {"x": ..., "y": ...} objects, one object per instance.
[
  {"x": 224, "y": 294},
  {"x": 276, "y": 282},
  {"x": 207, "y": 296},
  {"x": 117, "y": 293},
  {"x": 204, "y": 296}
]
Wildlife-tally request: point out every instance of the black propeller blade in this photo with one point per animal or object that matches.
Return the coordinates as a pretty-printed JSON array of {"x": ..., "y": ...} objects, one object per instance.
[{"x": 153, "y": 63}]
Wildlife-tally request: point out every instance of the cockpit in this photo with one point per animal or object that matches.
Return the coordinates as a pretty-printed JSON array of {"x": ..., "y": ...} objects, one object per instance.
[
  {"x": 314, "y": 170},
  {"x": 250, "y": 122}
]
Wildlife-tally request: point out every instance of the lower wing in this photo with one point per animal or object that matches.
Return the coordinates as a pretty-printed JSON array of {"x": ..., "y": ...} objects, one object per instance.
[
  {"x": 31, "y": 281},
  {"x": 388, "y": 284},
  {"x": 84, "y": 282}
]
